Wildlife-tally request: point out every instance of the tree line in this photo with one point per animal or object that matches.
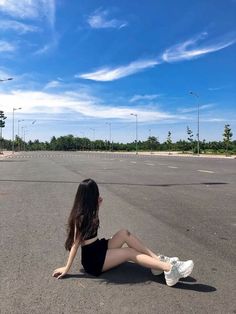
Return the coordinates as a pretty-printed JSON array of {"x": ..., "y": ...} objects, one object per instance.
[{"x": 72, "y": 143}]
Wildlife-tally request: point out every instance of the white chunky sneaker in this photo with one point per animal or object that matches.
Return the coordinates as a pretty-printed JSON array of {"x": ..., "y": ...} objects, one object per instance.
[
  {"x": 163, "y": 258},
  {"x": 179, "y": 270}
]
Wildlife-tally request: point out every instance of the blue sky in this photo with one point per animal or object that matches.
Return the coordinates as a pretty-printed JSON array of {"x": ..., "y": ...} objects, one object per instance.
[{"x": 79, "y": 66}]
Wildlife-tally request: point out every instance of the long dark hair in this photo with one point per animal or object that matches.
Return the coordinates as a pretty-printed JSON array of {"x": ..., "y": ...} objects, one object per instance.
[{"x": 84, "y": 213}]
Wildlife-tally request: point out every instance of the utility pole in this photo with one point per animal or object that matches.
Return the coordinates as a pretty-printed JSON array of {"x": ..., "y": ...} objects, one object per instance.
[
  {"x": 198, "y": 144},
  {"x": 136, "y": 116},
  {"x": 13, "y": 129},
  {"x": 109, "y": 134}
]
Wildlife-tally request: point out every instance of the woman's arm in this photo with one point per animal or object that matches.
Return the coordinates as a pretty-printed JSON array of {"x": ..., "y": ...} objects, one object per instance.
[
  {"x": 62, "y": 271},
  {"x": 72, "y": 254}
]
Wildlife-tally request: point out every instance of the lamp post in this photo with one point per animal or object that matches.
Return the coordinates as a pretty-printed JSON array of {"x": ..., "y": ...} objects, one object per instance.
[
  {"x": 93, "y": 136},
  {"x": 150, "y": 141},
  {"x": 13, "y": 128},
  {"x": 7, "y": 79},
  {"x": 109, "y": 123},
  {"x": 18, "y": 133},
  {"x": 19, "y": 121},
  {"x": 198, "y": 144},
  {"x": 136, "y": 116}
]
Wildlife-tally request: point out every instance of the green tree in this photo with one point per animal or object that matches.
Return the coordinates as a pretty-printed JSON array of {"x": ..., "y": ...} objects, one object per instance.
[
  {"x": 2, "y": 125},
  {"x": 227, "y": 136},
  {"x": 190, "y": 137}
]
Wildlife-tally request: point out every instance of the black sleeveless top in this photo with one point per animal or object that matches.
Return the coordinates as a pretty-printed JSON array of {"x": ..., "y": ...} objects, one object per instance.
[{"x": 93, "y": 235}]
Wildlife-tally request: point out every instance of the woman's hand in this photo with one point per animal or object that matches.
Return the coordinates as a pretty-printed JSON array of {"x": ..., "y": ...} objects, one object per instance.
[{"x": 60, "y": 272}]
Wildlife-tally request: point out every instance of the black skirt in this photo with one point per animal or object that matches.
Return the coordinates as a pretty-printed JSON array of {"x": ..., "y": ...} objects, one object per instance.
[{"x": 93, "y": 256}]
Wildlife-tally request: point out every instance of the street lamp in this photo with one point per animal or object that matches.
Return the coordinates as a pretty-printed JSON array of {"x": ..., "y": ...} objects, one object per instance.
[
  {"x": 13, "y": 128},
  {"x": 93, "y": 136},
  {"x": 135, "y": 114},
  {"x": 8, "y": 79},
  {"x": 197, "y": 96},
  {"x": 109, "y": 123},
  {"x": 19, "y": 121}
]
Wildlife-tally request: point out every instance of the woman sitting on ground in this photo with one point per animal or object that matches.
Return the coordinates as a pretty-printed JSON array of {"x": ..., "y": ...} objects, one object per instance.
[{"x": 100, "y": 255}]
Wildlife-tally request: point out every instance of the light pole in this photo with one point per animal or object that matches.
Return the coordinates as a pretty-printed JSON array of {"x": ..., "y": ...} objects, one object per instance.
[
  {"x": 150, "y": 141},
  {"x": 19, "y": 121},
  {"x": 13, "y": 128},
  {"x": 93, "y": 136},
  {"x": 18, "y": 133},
  {"x": 109, "y": 123},
  {"x": 7, "y": 79},
  {"x": 198, "y": 144},
  {"x": 135, "y": 114}
]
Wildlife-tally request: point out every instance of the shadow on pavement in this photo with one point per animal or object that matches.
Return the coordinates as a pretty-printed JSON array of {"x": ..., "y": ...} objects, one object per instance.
[{"x": 130, "y": 273}]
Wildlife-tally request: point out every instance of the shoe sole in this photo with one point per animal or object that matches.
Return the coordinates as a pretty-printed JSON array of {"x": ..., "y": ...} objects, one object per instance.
[{"x": 188, "y": 271}]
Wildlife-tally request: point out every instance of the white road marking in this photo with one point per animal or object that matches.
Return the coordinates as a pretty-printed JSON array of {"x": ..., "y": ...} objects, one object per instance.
[
  {"x": 207, "y": 171},
  {"x": 149, "y": 164},
  {"x": 133, "y": 162},
  {"x": 173, "y": 167}
]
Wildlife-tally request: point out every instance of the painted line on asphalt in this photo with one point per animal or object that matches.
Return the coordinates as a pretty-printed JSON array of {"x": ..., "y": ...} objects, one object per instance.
[
  {"x": 149, "y": 164},
  {"x": 133, "y": 162},
  {"x": 206, "y": 171},
  {"x": 173, "y": 167}
]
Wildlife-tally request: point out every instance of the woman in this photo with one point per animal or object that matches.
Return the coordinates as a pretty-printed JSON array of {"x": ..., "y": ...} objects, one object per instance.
[{"x": 100, "y": 255}]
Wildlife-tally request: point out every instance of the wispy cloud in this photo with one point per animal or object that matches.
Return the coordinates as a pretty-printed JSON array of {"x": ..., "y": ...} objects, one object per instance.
[
  {"x": 189, "y": 50},
  {"x": 49, "y": 47},
  {"x": 18, "y": 26},
  {"x": 6, "y": 46},
  {"x": 144, "y": 97},
  {"x": 26, "y": 9},
  {"x": 99, "y": 19},
  {"x": 216, "y": 88},
  {"x": 179, "y": 52},
  {"x": 111, "y": 74},
  {"x": 52, "y": 84},
  {"x": 192, "y": 109},
  {"x": 80, "y": 103}
]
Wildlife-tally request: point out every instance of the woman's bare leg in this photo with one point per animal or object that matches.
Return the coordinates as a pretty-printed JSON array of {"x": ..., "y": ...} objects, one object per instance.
[
  {"x": 124, "y": 236},
  {"x": 115, "y": 257}
]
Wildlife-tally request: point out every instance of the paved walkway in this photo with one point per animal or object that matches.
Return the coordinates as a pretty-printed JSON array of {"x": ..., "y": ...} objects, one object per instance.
[
  {"x": 175, "y": 154},
  {"x": 5, "y": 154}
]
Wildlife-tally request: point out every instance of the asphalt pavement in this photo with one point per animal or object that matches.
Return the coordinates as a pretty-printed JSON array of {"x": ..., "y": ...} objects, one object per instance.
[{"x": 178, "y": 206}]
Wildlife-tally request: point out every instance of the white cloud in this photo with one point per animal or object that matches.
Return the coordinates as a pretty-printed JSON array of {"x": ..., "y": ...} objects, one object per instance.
[
  {"x": 216, "y": 88},
  {"x": 144, "y": 97},
  {"x": 17, "y": 26},
  {"x": 99, "y": 19},
  {"x": 192, "y": 109},
  {"x": 48, "y": 47},
  {"x": 35, "y": 102},
  {"x": 188, "y": 49},
  {"x": 29, "y": 9},
  {"x": 175, "y": 53},
  {"x": 52, "y": 84},
  {"x": 111, "y": 74},
  {"x": 6, "y": 46}
]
